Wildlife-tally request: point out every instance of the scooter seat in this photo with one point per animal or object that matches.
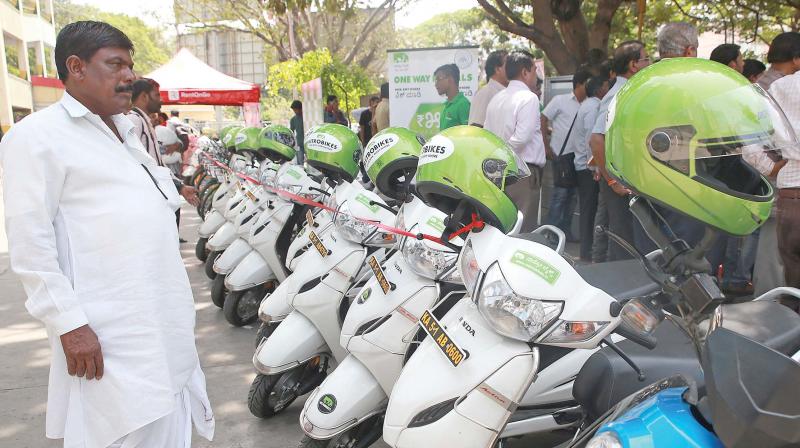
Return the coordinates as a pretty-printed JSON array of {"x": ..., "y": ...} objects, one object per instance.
[
  {"x": 622, "y": 279},
  {"x": 605, "y": 378}
]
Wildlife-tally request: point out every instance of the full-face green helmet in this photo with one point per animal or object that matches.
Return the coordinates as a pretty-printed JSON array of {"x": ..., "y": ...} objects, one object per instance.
[
  {"x": 470, "y": 167},
  {"x": 247, "y": 142},
  {"x": 277, "y": 143},
  {"x": 390, "y": 159},
  {"x": 333, "y": 149},
  {"x": 228, "y": 137},
  {"x": 676, "y": 134}
]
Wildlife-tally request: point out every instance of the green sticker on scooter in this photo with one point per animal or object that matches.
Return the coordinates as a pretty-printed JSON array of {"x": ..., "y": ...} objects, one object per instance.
[
  {"x": 364, "y": 296},
  {"x": 536, "y": 265},
  {"x": 327, "y": 404}
]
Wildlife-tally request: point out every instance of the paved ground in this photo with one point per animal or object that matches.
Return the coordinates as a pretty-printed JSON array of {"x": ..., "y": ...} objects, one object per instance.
[{"x": 225, "y": 353}]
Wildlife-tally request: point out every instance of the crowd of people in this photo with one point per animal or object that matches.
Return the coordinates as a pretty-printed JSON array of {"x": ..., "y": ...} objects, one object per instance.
[{"x": 570, "y": 132}]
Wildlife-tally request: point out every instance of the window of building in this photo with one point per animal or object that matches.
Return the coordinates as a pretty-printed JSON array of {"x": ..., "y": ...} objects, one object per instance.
[
  {"x": 34, "y": 61},
  {"x": 50, "y": 62},
  {"x": 14, "y": 3},
  {"x": 13, "y": 46},
  {"x": 30, "y": 7}
]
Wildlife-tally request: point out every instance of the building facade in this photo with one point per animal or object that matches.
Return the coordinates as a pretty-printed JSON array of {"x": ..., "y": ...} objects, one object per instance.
[{"x": 28, "y": 78}]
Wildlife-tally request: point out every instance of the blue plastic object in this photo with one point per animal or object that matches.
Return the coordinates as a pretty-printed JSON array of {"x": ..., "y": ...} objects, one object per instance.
[{"x": 664, "y": 420}]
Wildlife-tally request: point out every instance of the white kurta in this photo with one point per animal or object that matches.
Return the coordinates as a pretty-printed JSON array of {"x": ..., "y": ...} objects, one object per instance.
[{"x": 94, "y": 241}]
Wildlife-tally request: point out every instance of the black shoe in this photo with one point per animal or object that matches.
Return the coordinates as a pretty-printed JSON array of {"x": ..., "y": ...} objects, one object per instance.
[{"x": 181, "y": 240}]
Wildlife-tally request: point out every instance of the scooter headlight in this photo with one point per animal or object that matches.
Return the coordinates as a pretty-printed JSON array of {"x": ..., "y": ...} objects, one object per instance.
[
  {"x": 604, "y": 440},
  {"x": 510, "y": 314},
  {"x": 468, "y": 267},
  {"x": 428, "y": 261},
  {"x": 361, "y": 232}
]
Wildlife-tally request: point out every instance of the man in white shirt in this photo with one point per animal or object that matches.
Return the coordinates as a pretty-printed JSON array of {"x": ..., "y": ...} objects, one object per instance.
[
  {"x": 588, "y": 189},
  {"x": 496, "y": 81},
  {"x": 513, "y": 115},
  {"x": 90, "y": 222},
  {"x": 629, "y": 58},
  {"x": 562, "y": 113}
]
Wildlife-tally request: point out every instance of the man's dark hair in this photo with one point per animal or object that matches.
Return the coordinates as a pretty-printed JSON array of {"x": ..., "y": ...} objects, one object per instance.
[
  {"x": 725, "y": 53},
  {"x": 580, "y": 77},
  {"x": 174, "y": 113},
  {"x": 331, "y": 98},
  {"x": 496, "y": 59},
  {"x": 141, "y": 86},
  {"x": 516, "y": 61},
  {"x": 595, "y": 56},
  {"x": 450, "y": 70},
  {"x": 753, "y": 67},
  {"x": 594, "y": 84},
  {"x": 83, "y": 39},
  {"x": 296, "y": 104},
  {"x": 784, "y": 48},
  {"x": 627, "y": 52},
  {"x": 385, "y": 90},
  {"x": 374, "y": 98}
]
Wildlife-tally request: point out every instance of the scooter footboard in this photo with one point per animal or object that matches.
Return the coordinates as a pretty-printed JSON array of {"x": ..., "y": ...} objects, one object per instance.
[
  {"x": 232, "y": 255},
  {"x": 250, "y": 272},
  {"x": 336, "y": 406},
  {"x": 294, "y": 342}
]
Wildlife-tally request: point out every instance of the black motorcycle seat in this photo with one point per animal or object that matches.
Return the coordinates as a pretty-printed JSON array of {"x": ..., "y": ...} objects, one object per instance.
[
  {"x": 622, "y": 279},
  {"x": 605, "y": 378}
]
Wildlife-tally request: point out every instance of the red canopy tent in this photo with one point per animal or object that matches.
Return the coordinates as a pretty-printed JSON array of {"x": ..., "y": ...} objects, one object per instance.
[{"x": 188, "y": 80}]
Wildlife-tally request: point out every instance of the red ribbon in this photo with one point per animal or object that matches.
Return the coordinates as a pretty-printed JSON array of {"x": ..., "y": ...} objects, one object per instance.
[{"x": 475, "y": 224}]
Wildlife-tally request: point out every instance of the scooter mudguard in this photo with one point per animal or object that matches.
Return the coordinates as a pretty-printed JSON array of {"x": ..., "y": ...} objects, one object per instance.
[
  {"x": 336, "y": 405},
  {"x": 294, "y": 342},
  {"x": 250, "y": 272},
  {"x": 222, "y": 238},
  {"x": 301, "y": 243},
  {"x": 214, "y": 220},
  {"x": 232, "y": 255},
  {"x": 221, "y": 196},
  {"x": 269, "y": 238},
  {"x": 435, "y": 403},
  {"x": 234, "y": 205},
  {"x": 275, "y": 306}
]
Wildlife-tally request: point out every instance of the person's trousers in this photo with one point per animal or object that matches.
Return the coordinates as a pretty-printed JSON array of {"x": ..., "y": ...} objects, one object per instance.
[
  {"x": 600, "y": 243},
  {"x": 525, "y": 194},
  {"x": 788, "y": 217},
  {"x": 768, "y": 269},
  {"x": 620, "y": 222},
  {"x": 562, "y": 205},
  {"x": 588, "y": 191}
]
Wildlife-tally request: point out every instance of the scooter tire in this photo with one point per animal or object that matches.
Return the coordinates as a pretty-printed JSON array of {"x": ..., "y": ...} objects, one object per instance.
[
  {"x": 308, "y": 442},
  {"x": 258, "y": 398},
  {"x": 200, "y": 249},
  {"x": 212, "y": 257},
  {"x": 265, "y": 330},
  {"x": 218, "y": 291},
  {"x": 234, "y": 304}
]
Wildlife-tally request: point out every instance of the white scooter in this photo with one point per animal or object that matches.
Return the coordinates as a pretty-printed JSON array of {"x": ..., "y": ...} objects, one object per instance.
[
  {"x": 270, "y": 238},
  {"x": 215, "y": 218},
  {"x": 471, "y": 381},
  {"x": 296, "y": 357}
]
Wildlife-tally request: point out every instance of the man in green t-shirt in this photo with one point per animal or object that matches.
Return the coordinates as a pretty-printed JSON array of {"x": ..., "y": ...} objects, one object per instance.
[{"x": 456, "y": 108}]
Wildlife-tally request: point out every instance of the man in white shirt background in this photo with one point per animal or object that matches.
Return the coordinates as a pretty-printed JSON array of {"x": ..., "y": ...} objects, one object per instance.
[
  {"x": 496, "y": 81},
  {"x": 561, "y": 113},
  {"x": 90, "y": 224},
  {"x": 513, "y": 115}
]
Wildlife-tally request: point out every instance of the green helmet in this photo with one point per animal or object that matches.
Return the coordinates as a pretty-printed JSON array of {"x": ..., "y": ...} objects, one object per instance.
[
  {"x": 247, "y": 142},
  {"x": 228, "y": 137},
  {"x": 469, "y": 164},
  {"x": 333, "y": 149},
  {"x": 676, "y": 133},
  {"x": 277, "y": 143},
  {"x": 390, "y": 160}
]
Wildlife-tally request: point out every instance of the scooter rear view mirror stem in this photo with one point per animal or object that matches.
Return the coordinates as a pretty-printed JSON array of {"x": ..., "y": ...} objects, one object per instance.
[{"x": 607, "y": 341}]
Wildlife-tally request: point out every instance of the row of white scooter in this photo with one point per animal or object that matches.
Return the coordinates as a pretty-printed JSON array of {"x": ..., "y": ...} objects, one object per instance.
[{"x": 332, "y": 290}]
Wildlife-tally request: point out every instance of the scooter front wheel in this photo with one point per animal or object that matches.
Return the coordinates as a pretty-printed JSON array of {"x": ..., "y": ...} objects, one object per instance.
[
  {"x": 269, "y": 395},
  {"x": 364, "y": 434},
  {"x": 212, "y": 257},
  {"x": 218, "y": 291},
  {"x": 265, "y": 330},
  {"x": 241, "y": 307},
  {"x": 200, "y": 249}
]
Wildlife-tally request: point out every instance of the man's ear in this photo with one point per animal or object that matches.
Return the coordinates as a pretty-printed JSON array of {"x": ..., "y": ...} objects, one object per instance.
[{"x": 75, "y": 67}]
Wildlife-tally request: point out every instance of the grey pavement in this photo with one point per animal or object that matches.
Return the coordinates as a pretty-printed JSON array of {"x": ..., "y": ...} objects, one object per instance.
[{"x": 225, "y": 354}]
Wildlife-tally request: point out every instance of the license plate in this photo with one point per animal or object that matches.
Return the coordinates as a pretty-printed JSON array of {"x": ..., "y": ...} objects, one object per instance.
[
  {"x": 318, "y": 244},
  {"x": 379, "y": 275},
  {"x": 310, "y": 218},
  {"x": 434, "y": 329},
  {"x": 250, "y": 195}
]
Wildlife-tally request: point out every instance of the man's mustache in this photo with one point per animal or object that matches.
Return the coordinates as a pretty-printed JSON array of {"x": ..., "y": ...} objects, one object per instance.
[{"x": 124, "y": 88}]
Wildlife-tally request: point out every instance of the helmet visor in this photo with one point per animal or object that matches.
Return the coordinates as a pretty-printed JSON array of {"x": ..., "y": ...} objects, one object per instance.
[
  {"x": 281, "y": 137},
  {"x": 718, "y": 131},
  {"x": 505, "y": 172}
]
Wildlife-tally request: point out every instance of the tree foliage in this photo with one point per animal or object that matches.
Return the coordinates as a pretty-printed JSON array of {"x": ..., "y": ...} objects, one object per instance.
[
  {"x": 151, "y": 46},
  {"x": 347, "y": 82}
]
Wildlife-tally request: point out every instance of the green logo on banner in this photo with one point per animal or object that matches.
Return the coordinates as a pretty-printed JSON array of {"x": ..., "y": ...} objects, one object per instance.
[
  {"x": 425, "y": 120},
  {"x": 367, "y": 202},
  {"x": 400, "y": 58},
  {"x": 536, "y": 265},
  {"x": 436, "y": 223}
]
